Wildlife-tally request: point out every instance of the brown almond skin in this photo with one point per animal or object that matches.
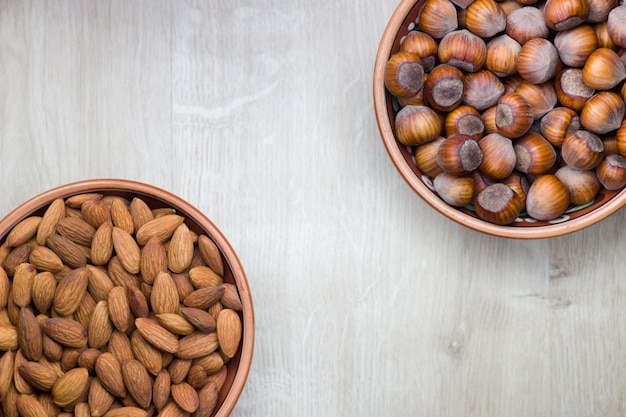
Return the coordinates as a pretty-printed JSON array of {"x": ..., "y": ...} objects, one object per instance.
[
  {"x": 23, "y": 279},
  {"x": 68, "y": 389},
  {"x": 30, "y": 336},
  {"x": 164, "y": 296},
  {"x": 76, "y": 230},
  {"x": 6, "y": 373},
  {"x": 39, "y": 376},
  {"x": 185, "y": 396},
  {"x": 146, "y": 353},
  {"x": 126, "y": 249},
  {"x": 229, "y": 330},
  {"x": 137, "y": 381},
  {"x": 102, "y": 244},
  {"x": 109, "y": 372},
  {"x": 211, "y": 254},
  {"x": 69, "y": 252},
  {"x": 207, "y": 400},
  {"x": 197, "y": 345},
  {"x": 16, "y": 257},
  {"x": 161, "y": 389},
  {"x": 29, "y": 406},
  {"x": 121, "y": 217},
  {"x": 200, "y": 319},
  {"x": 158, "y": 336},
  {"x": 181, "y": 249},
  {"x": 99, "y": 399},
  {"x": 52, "y": 215},
  {"x": 44, "y": 259},
  {"x": 204, "y": 297},
  {"x": 67, "y": 332},
  {"x": 153, "y": 260},
  {"x": 119, "y": 308},
  {"x": 160, "y": 228},
  {"x": 24, "y": 231},
  {"x": 70, "y": 291}
]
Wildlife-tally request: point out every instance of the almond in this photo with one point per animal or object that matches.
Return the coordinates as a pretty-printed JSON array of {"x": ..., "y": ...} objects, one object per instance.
[
  {"x": 82, "y": 410},
  {"x": 69, "y": 358},
  {"x": 8, "y": 338},
  {"x": 100, "y": 326},
  {"x": 51, "y": 349},
  {"x": 48, "y": 224},
  {"x": 139, "y": 212},
  {"x": 85, "y": 308},
  {"x": 16, "y": 257},
  {"x": 44, "y": 287},
  {"x": 200, "y": 319},
  {"x": 77, "y": 230},
  {"x": 180, "y": 250},
  {"x": 119, "y": 309},
  {"x": 138, "y": 383},
  {"x": 44, "y": 259},
  {"x": 24, "y": 231},
  {"x": 157, "y": 335},
  {"x": 76, "y": 201},
  {"x": 29, "y": 406},
  {"x": 69, "y": 252},
  {"x": 172, "y": 409},
  {"x": 183, "y": 285},
  {"x": 45, "y": 399},
  {"x": 146, "y": 353},
  {"x": 211, "y": 254},
  {"x": 119, "y": 345},
  {"x": 161, "y": 389},
  {"x": 207, "y": 400},
  {"x": 68, "y": 389},
  {"x": 38, "y": 376},
  {"x": 6, "y": 373},
  {"x": 178, "y": 370},
  {"x": 121, "y": 217},
  {"x": 175, "y": 323},
  {"x": 126, "y": 249},
  {"x": 87, "y": 359},
  {"x": 160, "y": 228},
  {"x": 21, "y": 385},
  {"x": 102, "y": 244},
  {"x": 99, "y": 399},
  {"x": 204, "y": 298},
  {"x": 5, "y": 288},
  {"x": 164, "y": 296},
  {"x": 197, "y": 345},
  {"x": 29, "y": 335},
  {"x": 229, "y": 329},
  {"x": 185, "y": 396},
  {"x": 99, "y": 284},
  {"x": 197, "y": 376},
  {"x": 126, "y": 412},
  {"x": 67, "y": 332},
  {"x": 22, "y": 289},
  {"x": 9, "y": 404},
  {"x": 119, "y": 275},
  {"x": 210, "y": 363},
  {"x": 138, "y": 302},
  {"x": 203, "y": 276},
  {"x": 153, "y": 260},
  {"x": 231, "y": 298},
  {"x": 70, "y": 291},
  {"x": 95, "y": 212},
  {"x": 109, "y": 372}
]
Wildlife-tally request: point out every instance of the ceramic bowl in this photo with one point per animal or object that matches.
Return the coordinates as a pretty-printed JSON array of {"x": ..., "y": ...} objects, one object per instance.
[
  {"x": 403, "y": 20},
  {"x": 239, "y": 366}
]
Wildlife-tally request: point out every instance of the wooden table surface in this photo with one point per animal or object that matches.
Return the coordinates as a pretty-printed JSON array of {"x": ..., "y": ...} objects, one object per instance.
[{"x": 259, "y": 113}]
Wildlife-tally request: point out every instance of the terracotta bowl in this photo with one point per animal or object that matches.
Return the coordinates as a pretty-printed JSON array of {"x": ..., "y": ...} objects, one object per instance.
[
  {"x": 239, "y": 366},
  {"x": 404, "y": 19}
]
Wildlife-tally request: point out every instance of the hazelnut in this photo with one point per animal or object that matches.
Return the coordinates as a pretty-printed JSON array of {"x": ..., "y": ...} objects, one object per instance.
[
  {"x": 463, "y": 49},
  {"x": 612, "y": 172},
  {"x": 443, "y": 88},
  {"x": 499, "y": 158},
  {"x": 457, "y": 191},
  {"x": 466, "y": 120},
  {"x": 498, "y": 204},
  {"x": 541, "y": 97},
  {"x": 616, "y": 25},
  {"x": 438, "y": 17},
  {"x": 603, "y": 112},
  {"x": 459, "y": 155},
  {"x": 571, "y": 90},
  {"x": 604, "y": 69},
  {"x": 534, "y": 154},
  {"x": 582, "y": 150},
  {"x": 581, "y": 185},
  {"x": 558, "y": 123},
  {"x": 485, "y": 18},
  {"x": 538, "y": 61},
  {"x": 422, "y": 45},
  {"x": 547, "y": 198},
  {"x": 525, "y": 24},
  {"x": 404, "y": 74},
  {"x": 482, "y": 90},
  {"x": 514, "y": 115},
  {"x": 565, "y": 14},
  {"x": 502, "y": 54},
  {"x": 599, "y": 10},
  {"x": 416, "y": 125},
  {"x": 426, "y": 157},
  {"x": 576, "y": 44}
]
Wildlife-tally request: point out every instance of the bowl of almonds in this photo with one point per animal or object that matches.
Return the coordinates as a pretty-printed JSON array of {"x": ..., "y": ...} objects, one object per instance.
[
  {"x": 507, "y": 116},
  {"x": 118, "y": 298}
]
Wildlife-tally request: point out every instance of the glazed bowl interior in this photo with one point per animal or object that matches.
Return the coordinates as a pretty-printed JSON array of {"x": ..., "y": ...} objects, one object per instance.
[
  {"x": 404, "y": 19},
  {"x": 239, "y": 366}
]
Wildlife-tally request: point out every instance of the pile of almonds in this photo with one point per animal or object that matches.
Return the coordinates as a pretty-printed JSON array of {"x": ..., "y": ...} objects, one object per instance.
[
  {"x": 514, "y": 105},
  {"x": 111, "y": 308}
]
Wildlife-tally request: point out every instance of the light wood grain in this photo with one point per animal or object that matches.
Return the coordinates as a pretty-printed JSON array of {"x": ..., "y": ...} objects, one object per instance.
[{"x": 368, "y": 303}]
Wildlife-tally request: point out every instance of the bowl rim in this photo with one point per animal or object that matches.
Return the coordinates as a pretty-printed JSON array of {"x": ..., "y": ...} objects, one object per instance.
[
  {"x": 389, "y": 36},
  {"x": 134, "y": 187}
]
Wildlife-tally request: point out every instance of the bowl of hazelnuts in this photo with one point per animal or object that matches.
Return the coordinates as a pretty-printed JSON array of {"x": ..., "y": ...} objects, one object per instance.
[{"x": 507, "y": 117}]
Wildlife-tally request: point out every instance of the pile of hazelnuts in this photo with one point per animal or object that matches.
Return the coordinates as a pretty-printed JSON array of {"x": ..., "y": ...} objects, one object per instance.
[{"x": 514, "y": 106}]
